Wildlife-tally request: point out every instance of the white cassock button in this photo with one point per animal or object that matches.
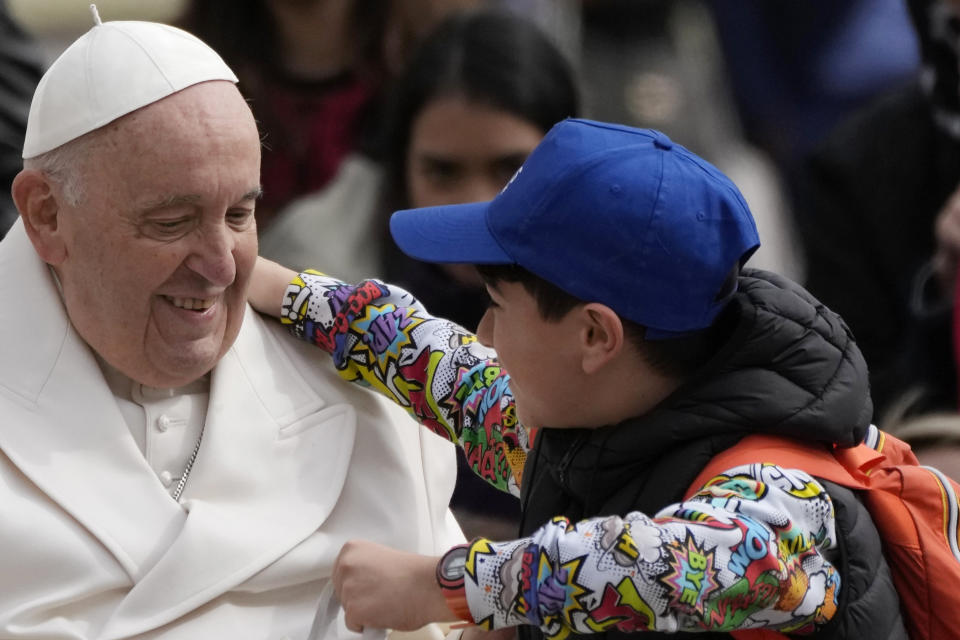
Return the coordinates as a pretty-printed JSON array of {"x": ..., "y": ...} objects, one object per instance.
[
  {"x": 163, "y": 422},
  {"x": 166, "y": 478}
]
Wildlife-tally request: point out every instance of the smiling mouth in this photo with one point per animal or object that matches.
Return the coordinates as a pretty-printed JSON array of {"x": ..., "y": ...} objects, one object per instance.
[{"x": 191, "y": 304}]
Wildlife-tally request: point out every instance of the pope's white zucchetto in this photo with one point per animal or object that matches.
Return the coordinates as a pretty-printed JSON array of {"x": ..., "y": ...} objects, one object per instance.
[{"x": 114, "y": 69}]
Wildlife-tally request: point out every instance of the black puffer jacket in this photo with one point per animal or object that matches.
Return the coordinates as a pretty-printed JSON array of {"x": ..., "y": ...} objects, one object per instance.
[{"x": 789, "y": 368}]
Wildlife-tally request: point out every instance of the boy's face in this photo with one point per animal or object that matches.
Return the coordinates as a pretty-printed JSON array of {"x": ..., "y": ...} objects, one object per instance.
[{"x": 542, "y": 357}]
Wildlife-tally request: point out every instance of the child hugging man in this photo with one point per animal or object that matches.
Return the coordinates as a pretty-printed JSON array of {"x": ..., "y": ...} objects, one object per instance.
[{"x": 622, "y": 327}]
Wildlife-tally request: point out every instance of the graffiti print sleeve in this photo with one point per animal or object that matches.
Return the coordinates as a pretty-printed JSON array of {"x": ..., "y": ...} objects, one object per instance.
[
  {"x": 380, "y": 336},
  {"x": 751, "y": 549}
]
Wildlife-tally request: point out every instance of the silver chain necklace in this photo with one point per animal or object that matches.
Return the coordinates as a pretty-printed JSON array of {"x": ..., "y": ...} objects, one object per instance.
[{"x": 189, "y": 467}]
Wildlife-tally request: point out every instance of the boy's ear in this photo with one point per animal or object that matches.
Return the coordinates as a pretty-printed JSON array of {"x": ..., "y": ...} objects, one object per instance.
[
  {"x": 601, "y": 336},
  {"x": 36, "y": 200}
]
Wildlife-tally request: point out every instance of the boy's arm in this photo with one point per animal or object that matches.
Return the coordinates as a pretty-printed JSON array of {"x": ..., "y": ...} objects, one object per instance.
[
  {"x": 267, "y": 284},
  {"x": 748, "y": 550},
  {"x": 380, "y": 336}
]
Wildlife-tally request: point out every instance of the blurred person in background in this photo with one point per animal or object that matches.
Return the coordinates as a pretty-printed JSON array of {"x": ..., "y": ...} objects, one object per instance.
[
  {"x": 797, "y": 69},
  {"x": 20, "y": 70},
  {"x": 479, "y": 94},
  {"x": 879, "y": 225},
  {"x": 313, "y": 71}
]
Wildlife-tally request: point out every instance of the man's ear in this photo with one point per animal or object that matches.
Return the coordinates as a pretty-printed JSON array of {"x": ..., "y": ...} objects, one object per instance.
[
  {"x": 601, "y": 336},
  {"x": 36, "y": 199}
]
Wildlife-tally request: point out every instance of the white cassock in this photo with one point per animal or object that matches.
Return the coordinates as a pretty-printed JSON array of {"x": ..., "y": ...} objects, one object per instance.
[{"x": 294, "y": 462}]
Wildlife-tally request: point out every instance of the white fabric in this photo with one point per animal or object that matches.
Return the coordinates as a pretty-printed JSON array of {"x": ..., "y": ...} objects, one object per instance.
[
  {"x": 111, "y": 70},
  {"x": 165, "y": 423},
  {"x": 294, "y": 462},
  {"x": 329, "y": 621},
  {"x": 133, "y": 414},
  {"x": 172, "y": 426}
]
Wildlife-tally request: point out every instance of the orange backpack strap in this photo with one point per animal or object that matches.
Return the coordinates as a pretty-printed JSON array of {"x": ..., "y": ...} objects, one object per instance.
[{"x": 813, "y": 458}]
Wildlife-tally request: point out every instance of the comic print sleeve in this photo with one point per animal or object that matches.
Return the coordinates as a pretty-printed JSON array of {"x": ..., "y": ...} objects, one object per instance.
[
  {"x": 380, "y": 336},
  {"x": 751, "y": 549}
]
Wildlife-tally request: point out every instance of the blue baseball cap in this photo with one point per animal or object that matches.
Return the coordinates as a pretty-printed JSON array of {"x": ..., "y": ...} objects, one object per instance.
[{"x": 609, "y": 214}]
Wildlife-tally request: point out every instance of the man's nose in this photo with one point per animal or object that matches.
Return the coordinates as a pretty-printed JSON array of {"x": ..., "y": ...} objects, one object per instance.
[{"x": 212, "y": 256}]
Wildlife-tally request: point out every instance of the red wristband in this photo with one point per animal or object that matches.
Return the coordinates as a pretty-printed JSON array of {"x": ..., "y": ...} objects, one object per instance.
[{"x": 450, "y": 577}]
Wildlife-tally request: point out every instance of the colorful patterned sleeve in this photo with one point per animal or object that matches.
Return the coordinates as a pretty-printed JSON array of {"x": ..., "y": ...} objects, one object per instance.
[
  {"x": 751, "y": 549},
  {"x": 381, "y": 337}
]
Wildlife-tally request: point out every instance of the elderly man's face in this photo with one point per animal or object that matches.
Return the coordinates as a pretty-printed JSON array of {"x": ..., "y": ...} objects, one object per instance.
[{"x": 160, "y": 249}]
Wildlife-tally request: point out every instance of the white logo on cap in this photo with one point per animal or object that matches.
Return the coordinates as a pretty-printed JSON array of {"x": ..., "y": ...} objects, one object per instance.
[{"x": 512, "y": 179}]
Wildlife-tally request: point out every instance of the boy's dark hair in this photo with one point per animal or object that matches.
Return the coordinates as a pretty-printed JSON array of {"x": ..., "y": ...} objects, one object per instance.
[{"x": 678, "y": 357}]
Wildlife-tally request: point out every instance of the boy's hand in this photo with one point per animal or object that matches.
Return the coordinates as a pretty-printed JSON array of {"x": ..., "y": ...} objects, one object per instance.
[
  {"x": 476, "y": 633},
  {"x": 384, "y": 588},
  {"x": 267, "y": 286}
]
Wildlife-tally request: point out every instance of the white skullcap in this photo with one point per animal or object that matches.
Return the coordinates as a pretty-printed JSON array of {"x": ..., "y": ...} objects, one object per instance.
[{"x": 110, "y": 71}]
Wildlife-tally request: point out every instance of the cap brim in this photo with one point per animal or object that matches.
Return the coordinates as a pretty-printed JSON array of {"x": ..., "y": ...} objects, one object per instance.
[{"x": 451, "y": 233}]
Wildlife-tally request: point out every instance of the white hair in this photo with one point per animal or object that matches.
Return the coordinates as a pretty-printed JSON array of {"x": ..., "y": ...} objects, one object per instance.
[{"x": 64, "y": 165}]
